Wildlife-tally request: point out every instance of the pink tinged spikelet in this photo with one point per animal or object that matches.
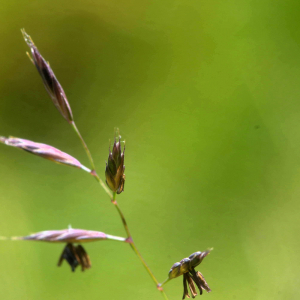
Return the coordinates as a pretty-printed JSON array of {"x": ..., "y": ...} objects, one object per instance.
[
  {"x": 51, "y": 84},
  {"x": 71, "y": 236},
  {"x": 44, "y": 151}
]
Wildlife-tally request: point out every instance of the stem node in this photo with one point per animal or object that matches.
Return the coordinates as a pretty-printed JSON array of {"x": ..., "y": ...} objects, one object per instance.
[
  {"x": 129, "y": 240},
  {"x": 93, "y": 173},
  {"x": 159, "y": 287}
]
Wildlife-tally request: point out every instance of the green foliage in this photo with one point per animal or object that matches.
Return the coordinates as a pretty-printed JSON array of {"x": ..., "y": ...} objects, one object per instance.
[{"x": 206, "y": 95}]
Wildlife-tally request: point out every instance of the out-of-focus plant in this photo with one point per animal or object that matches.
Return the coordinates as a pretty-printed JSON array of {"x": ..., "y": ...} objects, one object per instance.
[{"x": 75, "y": 255}]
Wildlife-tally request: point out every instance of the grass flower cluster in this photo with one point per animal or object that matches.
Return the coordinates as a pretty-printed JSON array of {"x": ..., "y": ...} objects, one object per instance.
[{"x": 74, "y": 253}]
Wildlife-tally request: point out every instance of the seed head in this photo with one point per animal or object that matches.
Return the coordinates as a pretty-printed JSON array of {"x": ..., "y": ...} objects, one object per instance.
[
  {"x": 43, "y": 150},
  {"x": 51, "y": 84},
  {"x": 69, "y": 235},
  {"x": 186, "y": 267},
  {"x": 114, "y": 171}
]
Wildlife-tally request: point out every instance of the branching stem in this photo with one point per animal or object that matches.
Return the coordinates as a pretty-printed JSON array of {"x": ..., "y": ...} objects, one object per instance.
[
  {"x": 134, "y": 248},
  {"x": 115, "y": 203}
]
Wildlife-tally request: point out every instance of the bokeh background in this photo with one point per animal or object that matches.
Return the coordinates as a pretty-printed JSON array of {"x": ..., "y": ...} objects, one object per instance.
[{"x": 206, "y": 95}]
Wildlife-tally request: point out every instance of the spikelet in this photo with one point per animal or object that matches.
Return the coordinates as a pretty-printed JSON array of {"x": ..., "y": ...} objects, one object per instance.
[
  {"x": 44, "y": 151},
  {"x": 70, "y": 235},
  {"x": 51, "y": 84}
]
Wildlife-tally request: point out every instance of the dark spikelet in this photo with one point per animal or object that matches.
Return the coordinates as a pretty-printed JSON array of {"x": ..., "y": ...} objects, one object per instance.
[
  {"x": 75, "y": 256},
  {"x": 191, "y": 285},
  {"x": 186, "y": 267},
  {"x": 85, "y": 261},
  {"x": 197, "y": 257},
  {"x": 185, "y": 289},
  {"x": 51, "y": 84},
  {"x": 114, "y": 171},
  {"x": 203, "y": 282},
  {"x": 70, "y": 255}
]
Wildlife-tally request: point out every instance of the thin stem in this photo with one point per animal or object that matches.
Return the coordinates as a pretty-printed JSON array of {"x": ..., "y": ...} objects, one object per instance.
[
  {"x": 134, "y": 248},
  {"x": 115, "y": 203},
  {"x": 103, "y": 185},
  {"x": 144, "y": 263},
  {"x": 167, "y": 280},
  {"x": 164, "y": 294},
  {"x": 84, "y": 145},
  {"x": 116, "y": 238}
]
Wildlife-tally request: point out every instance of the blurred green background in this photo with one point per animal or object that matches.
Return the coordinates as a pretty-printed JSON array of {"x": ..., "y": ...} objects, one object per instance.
[{"x": 206, "y": 95}]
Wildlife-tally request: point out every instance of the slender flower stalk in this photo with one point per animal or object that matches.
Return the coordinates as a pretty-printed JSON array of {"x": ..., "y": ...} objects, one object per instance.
[
  {"x": 134, "y": 247},
  {"x": 103, "y": 185},
  {"x": 84, "y": 145},
  {"x": 115, "y": 203},
  {"x": 129, "y": 237},
  {"x": 132, "y": 244}
]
